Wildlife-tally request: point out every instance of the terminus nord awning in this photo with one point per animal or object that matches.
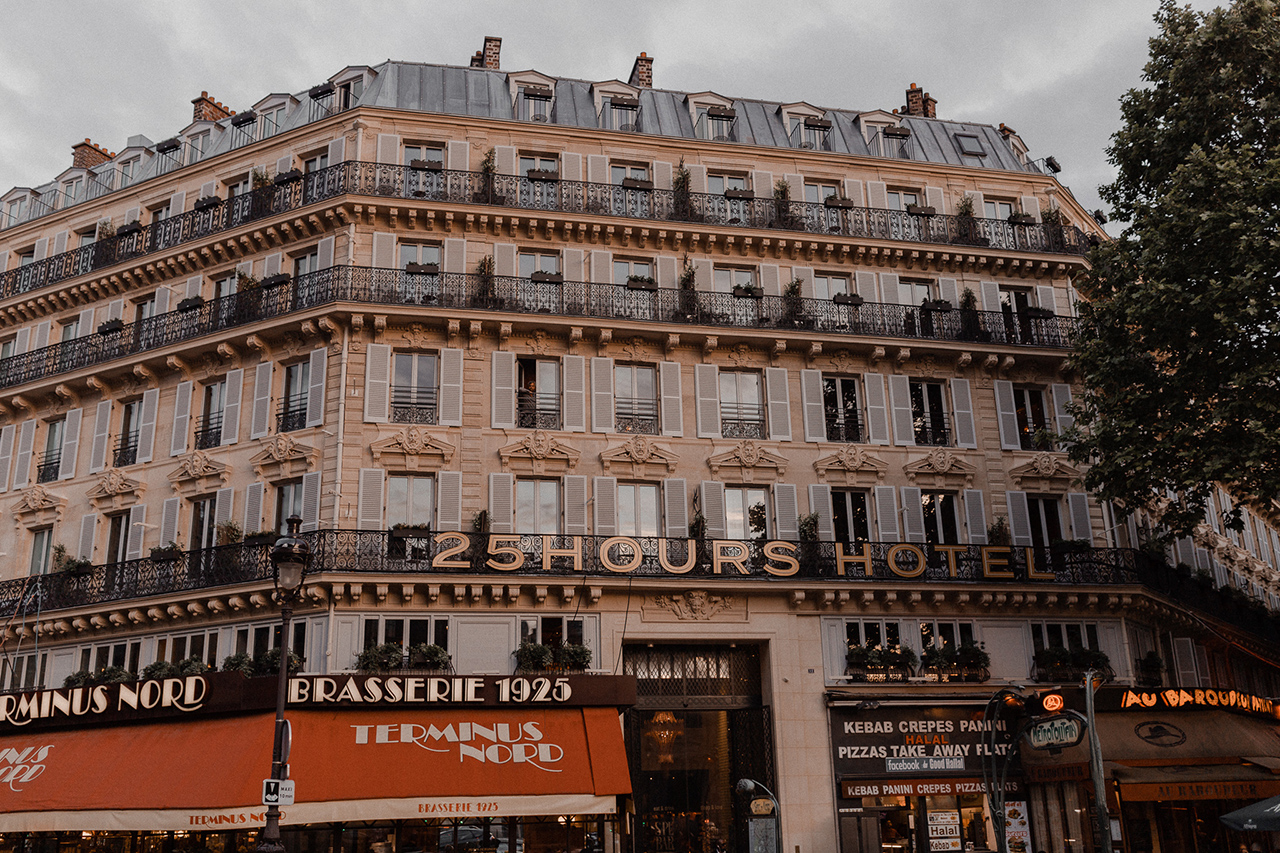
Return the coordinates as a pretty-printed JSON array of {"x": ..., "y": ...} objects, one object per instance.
[{"x": 348, "y": 764}]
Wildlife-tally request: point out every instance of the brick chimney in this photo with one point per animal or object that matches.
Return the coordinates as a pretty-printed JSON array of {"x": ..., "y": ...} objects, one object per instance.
[
  {"x": 920, "y": 103},
  {"x": 477, "y": 61},
  {"x": 642, "y": 72},
  {"x": 86, "y": 155},
  {"x": 207, "y": 109},
  {"x": 492, "y": 48}
]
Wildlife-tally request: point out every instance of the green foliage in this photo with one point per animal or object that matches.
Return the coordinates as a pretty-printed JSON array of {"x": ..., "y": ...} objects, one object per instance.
[
  {"x": 64, "y": 562},
  {"x": 938, "y": 656},
  {"x": 758, "y": 520},
  {"x": 239, "y": 662},
  {"x": 1180, "y": 348},
  {"x": 192, "y": 666},
  {"x": 489, "y": 165},
  {"x": 378, "y": 659},
  {"x": 964, "y": 207},
  {"x": 572, "y": 656},
  {"x": 972, "y": 655},
  {"x": 998, "y": 532},
  {"x": 268, "y": 662},
  {"x": 161, "y": 669},
  {"x": 81, "y": 678},
  {"x": 428, "y": 656},
  {"x": 809, "y": 527},
  {"x": 532, "y": 657},
  {"x": 688, "y": 275},
  {"x": 228, "y": 533}
]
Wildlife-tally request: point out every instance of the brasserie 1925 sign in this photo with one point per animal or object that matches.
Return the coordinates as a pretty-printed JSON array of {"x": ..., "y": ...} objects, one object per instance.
[{"x": 945, "y": 740}]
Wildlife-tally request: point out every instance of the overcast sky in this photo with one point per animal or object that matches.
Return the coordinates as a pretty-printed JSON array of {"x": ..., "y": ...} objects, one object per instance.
[{"x": 1052, "y": 71}]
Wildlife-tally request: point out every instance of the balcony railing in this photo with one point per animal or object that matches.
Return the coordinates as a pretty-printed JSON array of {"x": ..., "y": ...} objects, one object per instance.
[
  {"x": 209, "y": 431},
  {"x": 845, "y": 426},
  {"x": 933, "y": 430},
  {"x": 413, "y": 405},
  {"x": 635, "y": 415},
  {"x": 453, "y": 291},
  {"x": 742, "y": 420},
  {"x": 126, "y": 449},
  {"x": 292, "y": 413},
  {"x": 537, "y": 410},
  {"x": 47, "y": 469},
  {"x": 455, "y": 187}
]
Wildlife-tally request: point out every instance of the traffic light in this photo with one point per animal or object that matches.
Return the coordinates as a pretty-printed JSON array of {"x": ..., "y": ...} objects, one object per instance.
[{"x": 1044, "y": 702}]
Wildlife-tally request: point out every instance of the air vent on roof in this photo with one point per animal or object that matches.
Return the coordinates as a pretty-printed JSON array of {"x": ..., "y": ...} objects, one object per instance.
[
  {"x": 806, "y": 144},
  {"x": 722, "y": 112},
  {"x": 627, "y": 127},
  {"x": 721, "y": 138},
  {"x": 246, "y": 117},
  {"x": 321, "y": 91},
  {"x": 168, "y": 145}
]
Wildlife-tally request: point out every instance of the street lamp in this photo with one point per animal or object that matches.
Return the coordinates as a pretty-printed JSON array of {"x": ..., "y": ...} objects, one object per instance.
[
  {"x": 759, "y": 827},
  {"x": 290, "y": 559}
]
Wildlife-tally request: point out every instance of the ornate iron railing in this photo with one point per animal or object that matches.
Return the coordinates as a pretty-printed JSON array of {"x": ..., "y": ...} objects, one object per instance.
[
  {"x": 127, "y": 449},
  {"x": 291, "y": 414},
  {"x": 450, "y": 291},
  {"x": 636, "y": 415},
  {"x": 456, "y": 187},
  {"x": 209, "y": 431},
  {"x": 413, "y": 405},
  {"x": 844, "y": 426}
]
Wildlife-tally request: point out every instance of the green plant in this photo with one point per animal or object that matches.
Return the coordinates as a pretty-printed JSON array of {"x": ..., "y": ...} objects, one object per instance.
[
  {"x": 968, "y": 300},
  {"x": 809, "y": 527},
  {"x": 268, "y": 662},
  {"x": 758, "y": 520},
  {"x": 106, "y": 229},
  {"x": 228, "y": 533},
  {"x": 682, "y": 201},
  {"x": 858, "y": 657},
  {"x": 489, "y": 165},
  {"x": 1090, "y": 659},
  {"x": 261, "y": 178},
  {"x": 572, "y": 656},
  {"x": 165, "y": 552},
  {"x": 782, "y": 191},
  {"x": 1053, "y": 656},
  {"x": 532, "y": 657},
  {"x": 480, "y": 521},
  {"x": 383, "y": 658},
  {"x": 63, "y": 562},
  {"x": 115, "y": 675},
  {"x": 902, "y": 657},
  {"x": 1151, "y": 665},
  {"x": 246, "y": 282},
  {"x": 972, "y": 655},
  {"x": 940, "y": 657},
  {"x": 239, "y": 662},
  {"x": 965, "y": 207},
  {"x": 160, "y": 669},
  {"x": 998, "y": 532},
  {"x": 80, "y": 678},
  {"x": 192, "y": 666},
  {"x": 428, "y": 656}
]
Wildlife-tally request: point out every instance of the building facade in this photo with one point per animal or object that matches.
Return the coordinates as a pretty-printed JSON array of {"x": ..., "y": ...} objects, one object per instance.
[{"x": 758, "y": 402}]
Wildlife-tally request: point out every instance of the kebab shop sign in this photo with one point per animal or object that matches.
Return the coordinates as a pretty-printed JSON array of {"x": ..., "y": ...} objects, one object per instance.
[{"x": 907, "y": 741}]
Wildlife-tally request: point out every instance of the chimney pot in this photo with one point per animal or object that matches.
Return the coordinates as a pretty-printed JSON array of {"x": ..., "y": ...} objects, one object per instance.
[
  {"x": 642, "y": 72},
  {"x": 492, "y": 52}
]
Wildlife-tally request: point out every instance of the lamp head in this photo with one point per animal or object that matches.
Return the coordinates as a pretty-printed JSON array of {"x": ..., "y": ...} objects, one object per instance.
[
  {"x": 745, "y": 787},
  {"x": 290, "y": 558}
]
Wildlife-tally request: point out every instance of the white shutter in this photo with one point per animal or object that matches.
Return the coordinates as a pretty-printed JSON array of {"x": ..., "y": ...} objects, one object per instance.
[
  {"x": 913, "y": 514},
  {"x": 377, "y": 383},
  {"x": 284, "y": 164},
  {"x": 602, "y": 412},
  {"x": 597, "y": 169},
  {"x": 570, "y": 166},
  {"x": 315, "y": 394},
  {"x": 1078, "y": 508},
  {"x": 101, "y": 437},
  {"x": 662, "y": 173},
  {"x": 41, "y": 336},
  {"x": 575, "y": 505},
  {"x": 85, "y": 323},
  {"x": 975, "y": 516},
  {"x": 815, "y": 420},
  {"x": 935, "y": 198},
  {"x": 877, "y": 408},
  {"x": 455, "y": 254},
  {"x": 672, "y": 398},
  {"x": 504, "y": 158},
  {"x": 667, "y": 271},
  {"x": 503, "y": 390},
  {"x": 22, "y": 339},
  {"x": 260, "y": 424},
  {"x": 762, "y": 184},
  {"x": 805, "y": 274},
  {"x": 1008, "y": 415},
  {"x": 26, "y": 443},
  {"x": 573, "y": 266},
  {"x": 770, "y": 280},
  {"x": 1045, "y": 298},
  {"x": 253, "y": 495},
  {"x": 369, "y": 498},
  {"x": 891, "y": 289},
  {"x": 887, "y": 513},
  {"x": 147, "y": 425},
  {"x": 196, "y": 283},
  {"x": 311, "y": 502},
  {"x": 70, "y": 444},
  {"x": 6, "y": 455},
  {"x": 979, "y": 205},
  {"x": 962, "y": 402},
  {"x": 169, "y": 520},
  {"x": 706, "y": 380},
  {"x": 698, "y": 178},
  {"x": 990, "y": 295},
  {"x": 1184, "y": 656},
  {"x": 1019, "y": 518},
  {"x": 41, "y": 249},
  {"x": 223, "y": 504},
  {"x": 777, "y": 391},
  {"x": 88, "y": 526},
  {"x": 450, "y": 400},
  {"x": 60, "y": 242},
  {"x": 604, "y": 491},
  {"x": 1031, "y": 205},
  {"x": 786, "y": 511},
  {"x": 948, "y": 290},
  {"x": 233, "y": 392},
  {"x": 388, "y": 148},
  {"x": 501, "y": 503},
  {"x": 877, "y": 195},
  {"x": 137, "y": 531},
  {"x": 904, "y": 432},
  {"x": 181, "y": 419},
  {"x": 865, "y": 284},
  {"x": 324, "y": 253},
  {"x": 702, "y": 274},
  {"x": 384, "y": 250},
  {"x": 449, "y": 501},
  {"x": 602, "y": 267},
  {"x": 1061, "y": 397},
  {"x": 853, "y": 192},
  {"x": 178, "y": 203},
  {"x": 713, "y": 508},
  {"x": 574, "y": 396},
  {"x": 820, "y": 502},
  {"x": 271, "y": 265},
  {"x": 459, "y": 155},
  {"x": 504, "y": 259},
  {"x": 337, "y": 151},
  {"x": 675, "y": 508}
]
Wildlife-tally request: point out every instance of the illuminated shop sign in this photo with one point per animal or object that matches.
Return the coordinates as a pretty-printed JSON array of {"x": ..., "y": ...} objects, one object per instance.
[
  {"x": 1196, "y": 699},
  {"x": 895, "y": 741}
]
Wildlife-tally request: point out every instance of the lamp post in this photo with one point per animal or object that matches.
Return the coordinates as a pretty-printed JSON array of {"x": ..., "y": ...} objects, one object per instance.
[
  {"x": 290, "y": 559},
  {"x": 752, "y": 788}
]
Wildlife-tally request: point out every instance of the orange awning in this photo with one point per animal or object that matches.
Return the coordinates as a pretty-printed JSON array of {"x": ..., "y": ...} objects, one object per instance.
[{"x": 347, "y": 765}]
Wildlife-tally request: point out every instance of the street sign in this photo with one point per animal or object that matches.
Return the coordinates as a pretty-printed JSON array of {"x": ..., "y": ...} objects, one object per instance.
[
  {"x": 1057, "y": 732},
  {"x": 277, "y": 792},
  {"x": 762, "y": 806}
]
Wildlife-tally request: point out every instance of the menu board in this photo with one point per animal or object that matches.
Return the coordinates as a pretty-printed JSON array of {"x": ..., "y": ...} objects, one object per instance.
[
  {"x": 944, "y": 830},
  {"x": 942, "y": 740},
  {"x": 1017, "y": 829}
]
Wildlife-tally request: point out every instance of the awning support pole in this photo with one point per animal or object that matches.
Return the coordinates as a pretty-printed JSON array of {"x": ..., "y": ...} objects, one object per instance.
[{"x": 1103, "y": 828}]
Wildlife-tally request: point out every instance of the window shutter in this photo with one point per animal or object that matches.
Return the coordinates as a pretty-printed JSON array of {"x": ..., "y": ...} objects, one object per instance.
[
  {"x": 503, "y": 390},
  {"x": 1045, "y": 298},
  {"x": 195, "y": 284},
  {"x": 574, "y": 396},
  {"x": 962, "y": 402},
  {"x": 253, "y": 495},
  {"x": 1019, "y": 518},
  {"x": 786, "y": 511},
  {"x": 271, "y": 264},
  {"x": 574, "y": 267},
  {"x": 459, "y": 155},
  {"x": 570, "y": 167},
  {"x": 877, "y": 408},
  {"x": 979, "y": 203},
  {"x": 604, "y": 490},
  {"x": 369, "y": 498},
  {"x": 231, "y": 406},
  {"x": 384, "y": 250},
  {"x": 147, "y": 425},
  {"x": 169, "y": 520},
  {"x": 771, "y": 280},
  {"x": 853, "y": 192},
  {"x": 22, "y": 340},
  {"x": 602, "y": 411},
  {"x": 315, "y": 394},
  {"x": 22, "y": 467},
  {"x": 602, "y": 267},
  {"x": 795, "y": 183},
  {"x": 675, "y": 508},
  {"x": 1031, "y": 205},
  {"x": 501, "y": 503},
  {"x": 904, "y": 432},
  {"x": 990, "y": 296},
  {"x": 388, "y": 148},
  {"x": 820, "y": 502},
  {"x": 815, "y": 415},
  {"x": 377, "y": 383},
  {"x": 41, "y": 249},
  {"x": 865, "y": 283},
  {"x": 101, "y": 437},
  {"x": 311, "y": 502},
  {"x": 662, "y": 173},
  {"x": 504, "y": 259},
  {"x": 85, "y": 323},
  {"x": 6, "y": 455},
  {"x": 887, "y": 513},
  {"x": 762, "y": 185},
  {"x": 575, "y": 505},
  {"x": 137, "y": 531},
  {"x": 1078, "y": 508},
  {"x": 70, "y": 444},
  {"x": 913, "y": 514},
  {"x": 455, "y": 255},
  {"x": 178, "y": 203},
  {"x": 260, "y": 424},
  {"x": 934, "y": 197},
  {"x": 597, "y": 169},
  {"x": 667, "y": 271},
  {"x": 890, "y": 288},
  {"x": 449, "y": 501},
  {"x": 877, "y": 195},
  {"x": 42, "y": 335},
  {"x": 324, "y": 253},
  {"x": 223, "y": 502},
  {"x": 337, "y": 151},
  {"x": 181, "y": 419},
  {"x": 284, "y": 164},
  {"x": 1184, "y": 656},
  {"x": 778, "y": 391},
  {"x": 1061, "y": 397},
  {"x": 88, "y": 526},
  {"x": 975, "y": 516},
  {"x": 504, "y": 157},
  {"x": 1008, "y": 415},
  {"x": 698, "y": 178},
  {"x": 706, "y": 380},
  {"x": 450, "y": 405},
  {"x": 713, "y": 508},
  {"x": 947, "y": 290},
  {"x": 672, "y": 398},
  {"x": 702, "y": 274}
]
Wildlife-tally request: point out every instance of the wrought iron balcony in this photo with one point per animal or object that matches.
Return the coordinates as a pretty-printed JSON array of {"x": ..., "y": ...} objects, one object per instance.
[
  {"x": 578, "y": 197},
  {"x": 537, "y": 410},
  {"x": 635, "y": 415},
  {"x": 126, "y": 450},
  {"x": 933, "y": 430},
  {"x": 413, "y": 405},
  {"x": 742, "y": 420},
  {"x": 209, "y": 431},
  {"x": 844, "y": 426},
  {"x": 47, "y": 469},
  {"x": 292, "y": 413}
]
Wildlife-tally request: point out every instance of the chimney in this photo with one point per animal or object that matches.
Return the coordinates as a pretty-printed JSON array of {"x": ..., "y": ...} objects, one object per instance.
[
  {"x": 492, "y": 47},
  {"x": 477, "y": 61},
  {"x": 207, "y": 109},
  {"x": 915, "y": 101},
  {"x": 642, "y": 72},
  {"x": 930, "y": 106},
  {"x": 86, "y": 155}
]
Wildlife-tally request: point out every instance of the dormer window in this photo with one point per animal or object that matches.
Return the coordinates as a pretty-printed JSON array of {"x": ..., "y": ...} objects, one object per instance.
[
  {"x": 196, "y": 147},
  {"x": 620, "y": 112},
  {"x": 16, "y": 212},
  {"x": 534, "y": 103},
  {"x": 71, "y": 190},
  {"x": 716, "y": 123},
  {"x": 270, "y": 120},
  {"x": 809, "y": 132},
  {"x": 349, "y": 93},
  {"x": 970, "y": 145}
]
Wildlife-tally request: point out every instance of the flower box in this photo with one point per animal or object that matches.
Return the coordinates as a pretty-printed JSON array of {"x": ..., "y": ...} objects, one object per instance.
[
  {"x": 722, "y": 112},
  {"x": 921, "y": 210},
  {"x": 847, "y": 299},
  {"x": 748, "y": 292},
  {"x": 1022, "y": 219},
  {"x": 320, "y": 91},
  {"x": 552, "y": 277},
  {"x": 838, "y": 201},
  {"x": 637, "y": 282},
  {"x": 938, "y": 305},
  {"x": 260, "y": 539},
  {"x": 109, "y": 326},
  {"x": 274, "y": 280},
  {"x": 1036, "y": 313},
  {"x": 191, "y": 303},
  {"x": 543, "y": 175},
  {"x": 739, "y": 194},
  {"x": 286, "y": 177},
  {"x": 426, "y": 165},
  {"x": 129, "y": 228},
  {"x": 410, "y": 532},
  {"x": 207, "y": 203},
  {"x": 422, "y": 269},
  {"x": 877, "y": 673},
  {"x": 636, "y": 184}
]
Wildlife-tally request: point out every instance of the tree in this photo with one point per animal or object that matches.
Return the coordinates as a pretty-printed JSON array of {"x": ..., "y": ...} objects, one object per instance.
[{"x": 1180, "y": 345}]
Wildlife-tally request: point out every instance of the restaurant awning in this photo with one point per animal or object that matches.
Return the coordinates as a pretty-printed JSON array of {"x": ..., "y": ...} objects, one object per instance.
[{"x": 348, "y": 764}]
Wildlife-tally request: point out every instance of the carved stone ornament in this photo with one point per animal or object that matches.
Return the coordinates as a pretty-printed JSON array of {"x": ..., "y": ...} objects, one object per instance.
[
  {"x": 539, "y": 453},
  {"x": 741, "y": 356},
  {"x": 540, "y": 342},
  {"x": 640, "y": 457},
  {"x": 843, "y": 362},
  {"x": 755, "y": 463},
  {"x": 636, "y": 348},
  {"x": 418, "y": 336},
  {"x": 115, "y": 491},
  {"x": 1044, "y": 472},
  {"x": 941, "y": 468},
  {"x": 695, "y": 605},
  {"x": 281, "y": 457},
  {"x": 850, "y": 465},
  {"x": 38, "y": 507},
  {"x": 198, "y": 474},
  {"x": 413, "y": 449}
]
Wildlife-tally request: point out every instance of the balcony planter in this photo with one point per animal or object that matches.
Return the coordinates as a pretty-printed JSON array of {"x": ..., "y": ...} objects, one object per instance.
[
  {"x": 286, "y": 177},
  {"x": 838, "y": 202},
  {"x": 722, "y": 112},
  {"x": 636, "y": 184},
  {"x": 748, "y": 292},
  {"x": 246, "y": 117},
  {"x": 405, "y": 531},
  {"x": 274, "y": 280},
  {"x": 426, "y": 165},
  {"x": 748, "y": 194},
  {"x": 921, "y": 210},
  {"x": 165, "y": 552},
  {"x": 129, "y": 228},
  {"x": 429, "y": 656},
  {"x": 848, "y": 299},
  {"x": 1022, "y": 219},
  {"x": 260, "y": 539},
  {"x": 1040, "y": 313},
  {"x": 641, "y": 282},
  {"x": 207, "y": 203},
  {"x": 321, "y": 91},
  {"x": 422, "y": 269},
  {"x": 896, "y": 132},
  {"x": 532, "y": 657},
  {"x": 543, "y": 175},
  {"x": 549, "y": 277},
  {"x": 937, "y": 305},
  {"x": 110, "y": 326},
  {"x": 191, "y": 303}
]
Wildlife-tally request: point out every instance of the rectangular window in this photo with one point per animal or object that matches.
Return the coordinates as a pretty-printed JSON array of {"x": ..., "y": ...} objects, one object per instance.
[
  {"x": 970, "y": 145},
  {"x": 538, "y": 262},
  {"x": 209, "y": 426},
  {"x": 746, "y": 513},
  {"x": 424, "y": 154},
  {"x": 714, "y": 123},
  {"x": 414, "y": 388},
  {"x": 6, "y": 348},
  {"x": 406, "y": 632},
  {"x": 204, "y": 532},
  {"x": 538, "y": 163},
  {"x": 873, "y": 633},
  {"x": 553, "y": 630},
  {"x": 128, "y": 171},
  {"x": 50, "y": 462},
  {"x": 818, "y": 192},
  {"x": 624, "y": 269},
  {"x": 619, "y": 172},
  {"x": 537, "y": 394},
  {"x": 900, "y": 199},
  {"x": 852, "y": 516},
  {"x": 127, "y": 447},
  {"x": 315, "y": 164},
  {"x": 269, "y": 121},
  {"x": 1064, "y": 635},
  {"x": 411, "y": 501},
  {"x": 349, "y": 93},
  {"x": 117, "y": 538},
  {"x": 308, "y": 263},
  {"x": 830, "y": 286},
  {"x": 70, "y": 330},
  {"x": 840, "y": 405},
  {"x": 293, "y": 403},
  {"x": 419, "y": 253},
  {"x": 1033, "y": 419},
  {"x": 288, "y": 503},
  {"x": 638, "y": 513},
  {"x": 86, "y": 238},
  {"x": 916, "y": 290},
  {"x": 71, "y": 190},
  {"x": 537, "y": 506},
  {"x": 946, "y": 635},
  {"x": 635, "y": 399},
  {"x": 941, "y": 523},
  {"x": 1046, "y": 523},
  {"x": 534, "y": 103},
  {"x": 238, "y": 187},
  {"x": 997, "y": 209},
  {"x": 741, "y": 405},
  {"x": 24, "y": 672},
  {"x": 718, "y": 184},
  {"x": 620, "y": 113},
  {"x": 41, "y": 549},
  {"x": 196, "y": 146},
  {"x": 929, "y": 413}
]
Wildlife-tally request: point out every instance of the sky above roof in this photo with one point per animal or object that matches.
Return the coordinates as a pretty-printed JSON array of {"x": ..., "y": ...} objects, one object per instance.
[{"x": 1053, "y": 72}]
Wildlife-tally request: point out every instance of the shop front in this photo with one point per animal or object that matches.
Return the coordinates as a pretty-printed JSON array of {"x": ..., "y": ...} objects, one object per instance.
[{"x": 909, "y": 777}]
